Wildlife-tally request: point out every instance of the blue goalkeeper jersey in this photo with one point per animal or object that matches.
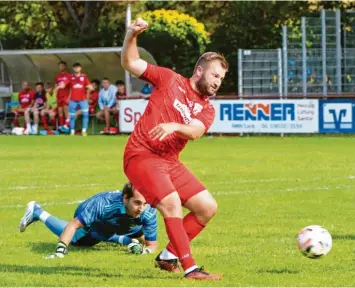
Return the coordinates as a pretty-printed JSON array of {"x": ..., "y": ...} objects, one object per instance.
[{"x": 104, "y": 215}]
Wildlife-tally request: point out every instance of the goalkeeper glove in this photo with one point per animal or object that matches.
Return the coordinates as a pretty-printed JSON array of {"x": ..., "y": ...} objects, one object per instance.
[
  {"x": 137, "y": 248},
  {"x": 60, "y": 251}
]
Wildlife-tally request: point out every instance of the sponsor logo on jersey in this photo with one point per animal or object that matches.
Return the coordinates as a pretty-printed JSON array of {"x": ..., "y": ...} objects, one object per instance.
[
  {"x": 78, "y": 85},
  {"x": 184, "y": 111},
  {"x": 197, "y": 108}
]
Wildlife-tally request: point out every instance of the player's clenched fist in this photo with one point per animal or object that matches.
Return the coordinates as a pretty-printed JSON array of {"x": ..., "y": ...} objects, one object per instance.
[{"x": 138, "y": 26}]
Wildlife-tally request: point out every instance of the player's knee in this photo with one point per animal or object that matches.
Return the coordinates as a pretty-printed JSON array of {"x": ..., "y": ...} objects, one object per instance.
[
  {"x": 203, "y": 205},
  {"x": 170, "y": 206},
  {"x": 210, "y": 208}
]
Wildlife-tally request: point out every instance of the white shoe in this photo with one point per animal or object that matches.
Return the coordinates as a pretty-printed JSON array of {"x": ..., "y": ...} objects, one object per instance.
[
  {"x": 34, "y": 130},
  {"x": 28, "y": 218}
]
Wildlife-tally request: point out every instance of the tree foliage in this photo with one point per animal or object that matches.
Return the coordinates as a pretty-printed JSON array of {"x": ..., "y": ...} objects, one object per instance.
[
  {"x": 181, "y": 39},
  {"x": 177, "y": 35},
  {"x": 27, "y": 25}
]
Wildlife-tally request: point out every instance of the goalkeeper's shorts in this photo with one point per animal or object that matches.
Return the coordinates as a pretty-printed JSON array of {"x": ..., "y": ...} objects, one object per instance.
[{"x": 87, "y": 240}]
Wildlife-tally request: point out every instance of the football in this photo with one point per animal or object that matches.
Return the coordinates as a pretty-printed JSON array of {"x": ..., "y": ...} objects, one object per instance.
[{"x": 314, "y": 241}]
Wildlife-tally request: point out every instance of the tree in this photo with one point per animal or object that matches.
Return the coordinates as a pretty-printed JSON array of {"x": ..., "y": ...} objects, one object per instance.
[
  {"x": 61, "y": 24},
  {"x": 27, "y": 25},
  {"x": 175, "y": 39}
]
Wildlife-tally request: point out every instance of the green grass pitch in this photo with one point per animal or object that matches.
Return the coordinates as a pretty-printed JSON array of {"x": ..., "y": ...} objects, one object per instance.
[{"x": 267, "y": 188}]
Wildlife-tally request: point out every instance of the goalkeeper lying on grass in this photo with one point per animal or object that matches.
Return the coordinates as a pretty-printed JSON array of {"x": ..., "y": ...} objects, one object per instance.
[{"x": 112, "y": 216}]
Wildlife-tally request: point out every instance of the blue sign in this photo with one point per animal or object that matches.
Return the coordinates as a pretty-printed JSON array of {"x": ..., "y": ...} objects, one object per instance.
[{"x": 337, "y": 116}]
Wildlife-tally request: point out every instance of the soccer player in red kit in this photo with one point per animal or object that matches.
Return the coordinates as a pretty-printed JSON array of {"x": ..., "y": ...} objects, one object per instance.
[
  {"x": 178, "y": 110},
  {"x": 63, "y": 96},
  {"x": 80, "y": 89},
  {"x": 25, "y": 100}
]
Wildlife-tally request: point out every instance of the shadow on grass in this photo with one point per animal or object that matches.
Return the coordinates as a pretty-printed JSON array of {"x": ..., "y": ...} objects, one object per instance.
[
  {"x": 49, "y": 247},
  {"x": 65, "y": 270},
  {"x": 343, "y": 237},
  {"x": 278, "y": 271}
]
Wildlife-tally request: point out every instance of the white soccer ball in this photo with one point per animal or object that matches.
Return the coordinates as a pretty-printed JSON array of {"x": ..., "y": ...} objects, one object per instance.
[{"x": 314, "y": 241}]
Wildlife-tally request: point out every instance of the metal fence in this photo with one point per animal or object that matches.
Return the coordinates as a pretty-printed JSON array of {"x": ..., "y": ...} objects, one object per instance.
[
  {"x": 260, "y": 72},
  {"x": 311, "y": 63}
]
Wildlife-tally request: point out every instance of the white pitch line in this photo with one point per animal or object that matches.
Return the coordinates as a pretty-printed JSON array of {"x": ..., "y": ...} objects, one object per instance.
[
  {"x": 237, "y": 181},
  {"x": 12, "y": 188},
  {"x": 251, "y": 181},
  {"x": 296, "y": 189},
  {"x": 42, "y": 204}
]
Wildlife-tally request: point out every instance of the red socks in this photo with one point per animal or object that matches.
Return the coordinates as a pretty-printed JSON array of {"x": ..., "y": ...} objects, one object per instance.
[
  {"x": 192, "y": 228},
  {"x": 15, "y": 122},
  {"x": 61, "y": 121},
  {"x": 177, "y": 235},
  {"x": 54, "y": 123},
  {"x": 44, "y": 120}
]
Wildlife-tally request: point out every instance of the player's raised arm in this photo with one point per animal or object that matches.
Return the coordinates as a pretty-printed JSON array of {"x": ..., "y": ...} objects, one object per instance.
[{"x": 130, "y": 58}]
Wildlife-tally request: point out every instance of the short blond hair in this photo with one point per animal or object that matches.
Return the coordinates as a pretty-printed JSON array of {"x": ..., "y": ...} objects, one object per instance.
[{"x": 208, "y": 57}]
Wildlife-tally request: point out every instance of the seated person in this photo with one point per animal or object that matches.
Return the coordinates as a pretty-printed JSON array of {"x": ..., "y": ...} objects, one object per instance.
[
  {"x": 94, "y": 96},
  {"x": 39, "y": 104},
  {"x": 25, "y": 100},
  {"x": 107, "y": 103},
  {"x": 51, "y": 108},
  {"x": 121, "y": 90}
]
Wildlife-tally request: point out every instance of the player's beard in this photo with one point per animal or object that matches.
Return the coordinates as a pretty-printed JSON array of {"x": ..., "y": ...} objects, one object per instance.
[{"x": 202, "y": 86}]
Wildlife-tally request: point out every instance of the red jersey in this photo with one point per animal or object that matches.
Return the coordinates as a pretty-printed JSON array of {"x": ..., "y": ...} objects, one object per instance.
[
  {"x": 62, "y": 78},
  {"x": 173, "y": 100},
  {"x": 94, "y": 97},
  {"x": 77, "y": 86},
  {"x": 25, "y": 98}
]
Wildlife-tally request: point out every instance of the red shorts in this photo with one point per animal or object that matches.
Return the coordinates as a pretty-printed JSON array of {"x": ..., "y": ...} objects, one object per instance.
[
  {"x": 155, "y": 178},
  {"x": 54, "y": 111},
  {"x": 18, "y": 113},
  {"x": 61, "y": 102},
  {"x": 92, "y": 110}
]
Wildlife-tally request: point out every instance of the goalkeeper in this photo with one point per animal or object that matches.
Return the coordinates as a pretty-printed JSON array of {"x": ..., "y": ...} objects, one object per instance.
[{"x": 121, "y": 217}]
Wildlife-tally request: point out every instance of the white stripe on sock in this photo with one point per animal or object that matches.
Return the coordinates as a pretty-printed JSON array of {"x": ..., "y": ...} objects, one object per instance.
[
  {"x": 166, "y": 255},
  {"x": 44, "y": 216},
  {"x": 190, "y": 269}
]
